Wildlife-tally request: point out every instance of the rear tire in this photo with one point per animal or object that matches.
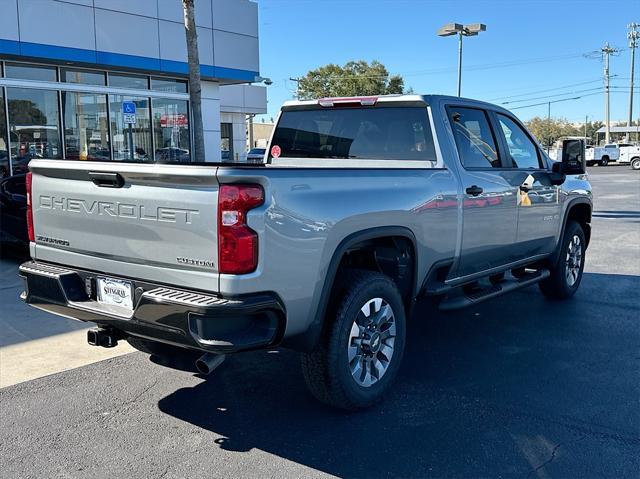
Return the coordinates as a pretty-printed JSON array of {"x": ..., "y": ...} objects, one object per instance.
[
  {"x": 359, "y": 355},
  {"x": 635, "y": 164},
  {"x": 566, "y": 274}
]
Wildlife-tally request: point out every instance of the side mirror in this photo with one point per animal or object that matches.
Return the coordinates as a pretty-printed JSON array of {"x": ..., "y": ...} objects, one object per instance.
[
  {"x": 557, "y": 177},
  {"x": 573, "y": 157}
]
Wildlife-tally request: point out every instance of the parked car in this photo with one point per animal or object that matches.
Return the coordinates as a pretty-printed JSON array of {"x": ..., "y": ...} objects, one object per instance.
[
  {"x": 172, "y": 154},
  {"x": 256, "y": 155},
  {"x": 363, "y": 205},
  {"x": 13, "y": 211},
  {"x": 602, "y": 156}
]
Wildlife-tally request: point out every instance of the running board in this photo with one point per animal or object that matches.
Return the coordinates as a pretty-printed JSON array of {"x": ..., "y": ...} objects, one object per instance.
[{"x": 468, "y": 299}]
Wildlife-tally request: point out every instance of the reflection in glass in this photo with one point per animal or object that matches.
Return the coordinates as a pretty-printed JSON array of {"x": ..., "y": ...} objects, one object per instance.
[
  {"x": 131, "y": 142},
  {"x": 29, "y": 72},
  {"x": 34, "y": 128},
  {"x": 87, "y": 77},
  {"x": 168, "y": 85},
  {"x": 226, "y": 141},
  {"x": 128, "y": 81},
  {"x": 4, "y": 147},
  {"x": 86, "y": 132},
  {"x": 171, "y": 129}
]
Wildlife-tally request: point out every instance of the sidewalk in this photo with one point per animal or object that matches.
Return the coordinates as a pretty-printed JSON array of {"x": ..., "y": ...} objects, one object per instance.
[{"x": 34, "y": 343}]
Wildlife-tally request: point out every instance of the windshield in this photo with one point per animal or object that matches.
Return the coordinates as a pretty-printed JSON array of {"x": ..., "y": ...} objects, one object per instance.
[{"x": 378, "y": 133}]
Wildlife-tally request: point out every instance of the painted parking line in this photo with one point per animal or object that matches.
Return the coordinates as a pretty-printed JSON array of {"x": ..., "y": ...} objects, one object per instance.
[{"x": 53, "y": 354}]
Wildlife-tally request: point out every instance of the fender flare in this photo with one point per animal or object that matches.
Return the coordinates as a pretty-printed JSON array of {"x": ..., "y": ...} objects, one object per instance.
[
  {"x": 307, "y": 340},
  {"x": 576, "y": 201}
]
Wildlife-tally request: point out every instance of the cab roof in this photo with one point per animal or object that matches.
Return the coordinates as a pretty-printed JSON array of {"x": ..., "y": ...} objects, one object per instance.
[{"x": 373, "y": 100}]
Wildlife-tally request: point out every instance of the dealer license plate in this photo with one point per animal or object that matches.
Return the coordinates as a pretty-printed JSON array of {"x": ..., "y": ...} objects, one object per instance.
[{"x": 115, "y": 292}]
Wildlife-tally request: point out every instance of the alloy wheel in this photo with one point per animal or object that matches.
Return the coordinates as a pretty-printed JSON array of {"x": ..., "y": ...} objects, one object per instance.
[
  {"x": 371, "y": 342},
  {"x": 573, "y": 260}
]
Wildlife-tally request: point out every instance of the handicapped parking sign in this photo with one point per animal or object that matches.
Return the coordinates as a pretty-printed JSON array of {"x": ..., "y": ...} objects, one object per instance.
[
  {"x": 128, "y": 107},
  {"x": 129, "y": 112}
]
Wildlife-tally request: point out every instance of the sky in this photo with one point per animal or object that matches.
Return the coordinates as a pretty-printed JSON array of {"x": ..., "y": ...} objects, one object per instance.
[{"x": 532, "y": 49}]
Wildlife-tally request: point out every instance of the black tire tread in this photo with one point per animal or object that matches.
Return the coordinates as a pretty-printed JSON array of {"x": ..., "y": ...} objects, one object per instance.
[
  {"x": 317, "y": 365},
  {"x": 555, "y": 286}
]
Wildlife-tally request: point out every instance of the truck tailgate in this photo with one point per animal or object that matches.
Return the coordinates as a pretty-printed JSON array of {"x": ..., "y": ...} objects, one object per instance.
[{"x": 158, "y": 223}]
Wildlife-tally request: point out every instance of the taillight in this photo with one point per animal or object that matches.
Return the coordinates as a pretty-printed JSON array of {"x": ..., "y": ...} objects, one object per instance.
[
  {"x": 29, "y": 208},
  {"x": 237, "y": 243}
]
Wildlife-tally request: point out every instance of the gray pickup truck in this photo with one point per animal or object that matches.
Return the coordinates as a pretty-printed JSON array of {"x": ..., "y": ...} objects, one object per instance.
[{"x": 362, "y": 206}]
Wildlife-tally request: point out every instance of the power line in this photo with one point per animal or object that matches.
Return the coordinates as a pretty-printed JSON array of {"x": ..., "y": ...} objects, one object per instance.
[
  {"x": 546, "y": 90},
  {"x": 555, "y": 101},
  {"x": 553, "y": 96}
]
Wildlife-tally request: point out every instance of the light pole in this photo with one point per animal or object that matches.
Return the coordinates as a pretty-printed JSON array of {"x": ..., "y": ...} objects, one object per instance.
[
  {"x": 469, "y": 30},
  {"x": 633, "y": 37}
]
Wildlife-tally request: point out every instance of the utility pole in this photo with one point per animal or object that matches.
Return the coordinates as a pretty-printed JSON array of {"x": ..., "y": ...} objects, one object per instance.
[
  {"x": 549, "y": 126},
  {"x": 633, "y": 36},
  {"x": 586, "y": 120},
  {"x": 297, "y": 81},
  {"x": 606, "y": 52}
]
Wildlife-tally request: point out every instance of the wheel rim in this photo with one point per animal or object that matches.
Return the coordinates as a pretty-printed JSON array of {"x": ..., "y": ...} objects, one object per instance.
[
  {"x": 371, "y": 342},
  {"x": 573, "y": 260}
]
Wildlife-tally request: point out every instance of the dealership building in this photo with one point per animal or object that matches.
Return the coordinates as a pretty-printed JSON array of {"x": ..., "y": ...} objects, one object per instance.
[{"x": 107, "y": 80}]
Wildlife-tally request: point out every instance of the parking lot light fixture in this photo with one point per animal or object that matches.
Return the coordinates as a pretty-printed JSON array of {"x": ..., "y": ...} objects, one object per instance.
[{"x": 469, "y": 30}]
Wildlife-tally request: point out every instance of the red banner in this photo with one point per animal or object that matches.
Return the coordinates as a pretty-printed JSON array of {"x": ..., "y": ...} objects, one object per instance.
[{"x": 169, "y": 121}]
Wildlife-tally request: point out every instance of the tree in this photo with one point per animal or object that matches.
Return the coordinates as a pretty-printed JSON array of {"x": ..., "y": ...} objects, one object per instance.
[
  {"x": 355, "y": 78},
  {"x": 195, "y": 88},
  {"x": 548, "y": 130},
  {"x": 592, "y": 127}
]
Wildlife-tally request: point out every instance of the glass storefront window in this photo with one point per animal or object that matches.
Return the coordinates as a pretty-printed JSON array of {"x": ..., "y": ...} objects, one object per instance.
[
  {"x": 4, "y": 147},
  {"x": 168, "y": 85},
  {"x": 86, "y": 131},
  {"x": 171, "y": 130},
  {"x": 119, "y": 80},
  {"x": 29, "y": 72},
  {"x": 34, "y": 127},
  {"x": 86, "y": 77},
  {"x": 131, "y": 142}
]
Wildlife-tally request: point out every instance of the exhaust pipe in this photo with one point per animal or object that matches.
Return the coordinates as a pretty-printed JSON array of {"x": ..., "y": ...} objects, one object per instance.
[
  {"x": 102, "y": 337},
  {"x": 208, "y": 362}
]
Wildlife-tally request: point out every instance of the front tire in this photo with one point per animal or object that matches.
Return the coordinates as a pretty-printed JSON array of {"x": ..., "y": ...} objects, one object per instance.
[
  {"x": 635, "y": 164},
  {"x": 604, "y": 161},
  {"x": 359, "y": 356},
  {"x": 566, "y": 274}
]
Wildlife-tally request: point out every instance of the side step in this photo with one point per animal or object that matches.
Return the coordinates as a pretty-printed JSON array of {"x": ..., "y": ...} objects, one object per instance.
[{"x": 505, "y": 286}]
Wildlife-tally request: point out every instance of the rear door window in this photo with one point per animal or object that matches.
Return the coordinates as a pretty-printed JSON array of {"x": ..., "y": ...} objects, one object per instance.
[
  {"x": 474, "y": 138},
  {"x": 375, "y": 133}
]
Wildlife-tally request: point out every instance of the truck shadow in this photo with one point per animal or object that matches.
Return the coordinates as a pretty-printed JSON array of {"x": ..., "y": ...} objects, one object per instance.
[{"x": 481, "y": 390}]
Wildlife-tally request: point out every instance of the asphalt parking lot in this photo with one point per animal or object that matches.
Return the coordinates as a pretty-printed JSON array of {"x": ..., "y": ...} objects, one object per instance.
[{"x": 516, "y": 387}]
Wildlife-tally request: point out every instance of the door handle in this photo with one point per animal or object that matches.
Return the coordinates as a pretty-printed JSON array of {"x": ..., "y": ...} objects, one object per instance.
[
  {"x": 474, "y": 190},
  {"x": 106, "y": 180}
]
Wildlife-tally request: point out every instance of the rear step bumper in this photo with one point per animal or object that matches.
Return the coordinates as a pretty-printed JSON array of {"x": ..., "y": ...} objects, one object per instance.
[
  {"x": 505, "y": 286},
  {"x": 182, "y": 318}
]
